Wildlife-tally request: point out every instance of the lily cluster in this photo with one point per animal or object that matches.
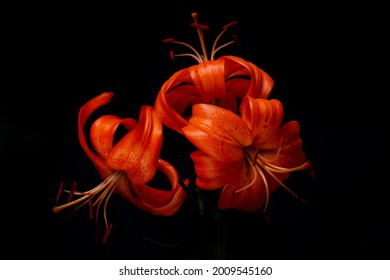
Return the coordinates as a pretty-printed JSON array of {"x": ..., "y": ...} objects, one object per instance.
[{"x": 222, "y": 107}]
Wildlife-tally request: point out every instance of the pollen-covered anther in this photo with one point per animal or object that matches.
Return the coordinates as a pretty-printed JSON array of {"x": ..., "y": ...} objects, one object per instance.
[
  {"x": 72, "y": 191},
  {"x": 59, "y": 191},
  {"x": 200, "y": 26},
  {"x": 168, "y": 40},
  {"x": 108, "y": 231},
  {"x": 230, "y": 24}
]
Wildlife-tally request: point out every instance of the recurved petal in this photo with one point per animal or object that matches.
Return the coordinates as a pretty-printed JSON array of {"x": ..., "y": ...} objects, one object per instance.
[
  {"x": 213, "y": 174},
  {"x": 167, "y": 108},
  {"x": 182, "y": 97},
  {"x": 209, "y": 79},
  {"x": 263, "y": 117},
  {"x": 101, "y": 165},
  {"x": 287, "y": 145},
  {"x": 138, "y": 151},
  {"x": 218, "y": 132},
  {"x": 103, "y": 131},
  {"x": 261, "y": 84},
  {"x": 236, "y": 88},
  {"x": 160, "y": 202}
]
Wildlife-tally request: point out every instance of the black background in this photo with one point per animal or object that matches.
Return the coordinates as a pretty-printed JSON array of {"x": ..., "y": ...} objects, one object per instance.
[{"x": 328, "y": 69}]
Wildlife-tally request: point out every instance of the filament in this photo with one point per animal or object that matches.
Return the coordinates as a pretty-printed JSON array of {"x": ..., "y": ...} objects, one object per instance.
[
  {"x": 266, "y": 187},
  {"x": 251, "y": 183},
  {"x": 199, "y": 29},
  {"x": 200, "y": 35}
]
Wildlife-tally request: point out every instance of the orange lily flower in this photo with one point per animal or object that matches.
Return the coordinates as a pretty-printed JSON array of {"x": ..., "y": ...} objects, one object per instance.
[
  {"x": 130, "y": 164},
  {"x": 249, "y": 156},
  {"x": 218, "y": 81}
]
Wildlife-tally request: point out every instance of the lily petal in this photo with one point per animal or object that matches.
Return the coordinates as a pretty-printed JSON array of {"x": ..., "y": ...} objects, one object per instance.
[
  {"x": 252, "y": 198},
  {"x": 100, "y": 164},
  {"x": 218, "y": 132},
  {"x": 213, "y": 174},
  {"x": 159, "y": 202},
  {"x": 103, "y": 131},
  {"x": 261, "y": 84},
  {"x": 138, "y": 151},
  {"x": 287, "y": 145},
  {"x": 249, "y": 199},
  {"x": 221, "y": 81},
  {"x": 263, "y": 117},
  {"x": 168, "y": 113},
  {"x": 209, "y": 78}
]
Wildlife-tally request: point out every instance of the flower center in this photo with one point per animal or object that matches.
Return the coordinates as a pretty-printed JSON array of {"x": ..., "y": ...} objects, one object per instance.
[
  {"x": 199, "y": 29},
  {"x": 259, "y": 166}
]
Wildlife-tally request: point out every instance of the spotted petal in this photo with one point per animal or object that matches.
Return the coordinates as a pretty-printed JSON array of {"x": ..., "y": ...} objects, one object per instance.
[
  {"x": 103, "y": 132},
  {"x": 138, "y": 151},
  {"x": 218, "y": 132},
  {"x": 160, "y": 202},
  {"x": 263, "y": 117},
  {"x": 214, "y": 174}
]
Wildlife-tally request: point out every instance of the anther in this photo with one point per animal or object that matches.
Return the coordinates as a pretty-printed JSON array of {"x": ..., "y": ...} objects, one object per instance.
[
  {"x": 107, "y": 234},
  {"x": 310, "y": 167},
  {"x": 168, "y": 40},
  {"x": 59, "y": 191},
  {"x": 230, "y": 24},
  {"x": 172, "y": 54},
  {"x": 200, "y": 26},
  {"x": 72, "y": 190}
]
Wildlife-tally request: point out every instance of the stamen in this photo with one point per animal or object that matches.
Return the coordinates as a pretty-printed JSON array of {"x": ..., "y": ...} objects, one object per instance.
[
  {"x": 196, "y": 56},
  {"x": 106, "y": 202},
  {"x": 172, "y": 55},
  {"x": 221, "y": 47},
  {"x": 99, "y": 202},
  {"x": 107, "y": 234},
  {"x": 266, "y": 187},
  {"x": 168, "y": 40},
  {"x": 72, "y": 190},
  {"x": 279, "y": 169},
  {"x": 60, "y": 191},
  {"x": 214, "y": 50},
  {"x": 200, "y": 26},
  {"x": 251, "y": 183},
  {"x": 74, "y": 202},
  {"x": 199, "y": 29},
  {"x": 200, "y": 35},
  {"x": 284, "y": 186},
  {"x": 230, "y": 24},
  {"x": 87, "y": 194},
  {"x": 255, "y": 156},
  {"x": 311, "y": 170}
]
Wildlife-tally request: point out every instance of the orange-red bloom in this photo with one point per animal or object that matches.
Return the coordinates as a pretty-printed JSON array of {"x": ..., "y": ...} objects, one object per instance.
[
  {"x": 129, "y": 165},
  {"x": 221, "y": 82},
  {"x": 248, "y": 155}
]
